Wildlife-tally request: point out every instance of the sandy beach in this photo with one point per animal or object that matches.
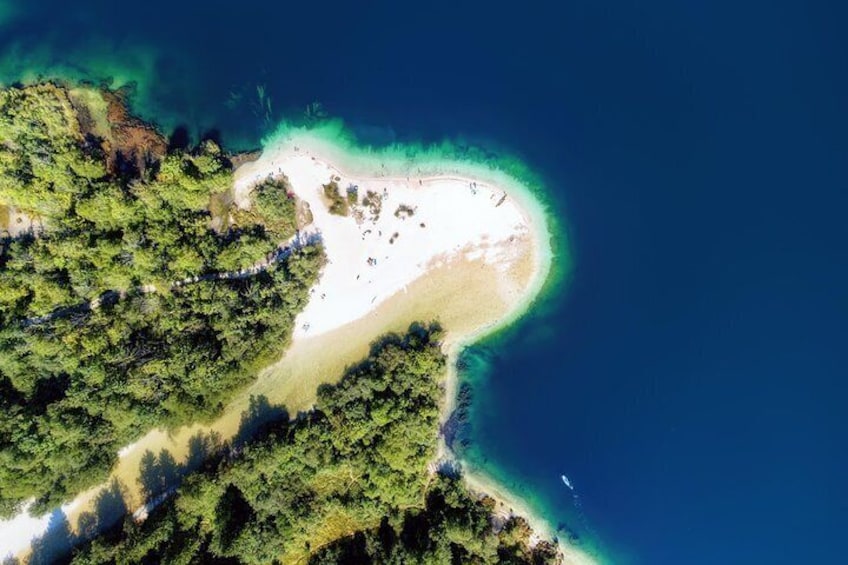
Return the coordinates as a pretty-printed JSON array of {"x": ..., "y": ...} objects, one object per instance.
[
  {"x": 452, "y": 241},
  {"x": 413, "y": 225}
]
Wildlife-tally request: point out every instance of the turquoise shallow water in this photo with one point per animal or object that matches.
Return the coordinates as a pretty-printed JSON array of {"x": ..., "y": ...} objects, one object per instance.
[{"x": 688, "y": 377}]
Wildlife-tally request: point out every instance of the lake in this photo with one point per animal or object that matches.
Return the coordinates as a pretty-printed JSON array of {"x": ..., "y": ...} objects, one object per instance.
[{"x": 688, "y": 373}]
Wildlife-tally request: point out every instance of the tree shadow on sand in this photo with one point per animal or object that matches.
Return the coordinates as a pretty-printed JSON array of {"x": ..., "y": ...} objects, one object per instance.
[
  {"x": 157, "y": 474},
  {"x": 161, "y": 474},
  {"x": 260, "y": 419},
  {"x": 58, "y": 540},
  {"x": 203, "y": 449},
  {"x": 109, "y": 507}
]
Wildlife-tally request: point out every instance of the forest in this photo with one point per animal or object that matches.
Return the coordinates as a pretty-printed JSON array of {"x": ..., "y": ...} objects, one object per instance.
[
  {"x": 98, "y": 344},
  {"x": 346, "y": 483}
]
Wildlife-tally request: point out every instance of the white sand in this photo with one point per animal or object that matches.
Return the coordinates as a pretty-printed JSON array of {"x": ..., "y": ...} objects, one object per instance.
[{"x": 459, "y": 216}]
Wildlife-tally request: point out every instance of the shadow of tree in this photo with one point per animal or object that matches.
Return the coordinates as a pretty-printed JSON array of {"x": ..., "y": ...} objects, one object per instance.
[
  {"x": 202, "y": 449},
  {"x": 109, "y": 507},
  {"x": 56, "y": 542},
  {"x": 213, "y": 135},
  {"x": 458, "y": 425},
  {"x": 180, "y": 139},
  {"x": 260, "y": 419},
  {"x": 158, "y": 474},
  {"x": 232, "y": 514}
]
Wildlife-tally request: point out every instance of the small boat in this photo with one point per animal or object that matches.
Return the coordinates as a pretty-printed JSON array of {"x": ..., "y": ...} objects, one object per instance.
[{"x": 566, "y": 482}]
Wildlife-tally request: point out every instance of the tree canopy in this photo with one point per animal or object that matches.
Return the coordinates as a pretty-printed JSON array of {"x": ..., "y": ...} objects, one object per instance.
[{"x": 98, "y": 342}]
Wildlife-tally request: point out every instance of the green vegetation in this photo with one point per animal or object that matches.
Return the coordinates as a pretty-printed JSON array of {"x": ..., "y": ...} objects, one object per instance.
[
  {"x": 276, "y": 206},
  {"x": 338, "y": 203},
  {"x": 374, "y": 203},
  {"x": 116, "y": 318},
  {"x": 273, "y": 209},
  {"x": 346, "y": 483}
]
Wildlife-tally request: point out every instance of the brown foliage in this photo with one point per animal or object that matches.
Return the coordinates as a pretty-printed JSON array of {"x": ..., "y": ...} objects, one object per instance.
[{"x": 130, "y": 139}]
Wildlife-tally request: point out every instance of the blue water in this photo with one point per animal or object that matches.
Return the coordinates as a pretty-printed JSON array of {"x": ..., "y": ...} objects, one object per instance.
[{"x": 689, "y": 379}]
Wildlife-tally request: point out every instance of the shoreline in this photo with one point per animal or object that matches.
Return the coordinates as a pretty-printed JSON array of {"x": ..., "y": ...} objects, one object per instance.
[{"x": 393, "y": 309}]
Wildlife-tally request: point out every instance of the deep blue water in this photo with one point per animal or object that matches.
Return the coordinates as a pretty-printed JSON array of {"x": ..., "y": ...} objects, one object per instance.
[{"x": 690, "y": 377}]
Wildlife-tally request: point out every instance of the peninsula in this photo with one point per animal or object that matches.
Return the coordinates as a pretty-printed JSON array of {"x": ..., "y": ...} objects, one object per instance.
[{"x": 253, "y": 361}]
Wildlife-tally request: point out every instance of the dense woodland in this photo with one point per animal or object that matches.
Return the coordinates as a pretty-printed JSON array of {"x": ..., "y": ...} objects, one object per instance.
[
  {"x": 122, "y": 223},
  {"x": 346, "y": 483}
]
